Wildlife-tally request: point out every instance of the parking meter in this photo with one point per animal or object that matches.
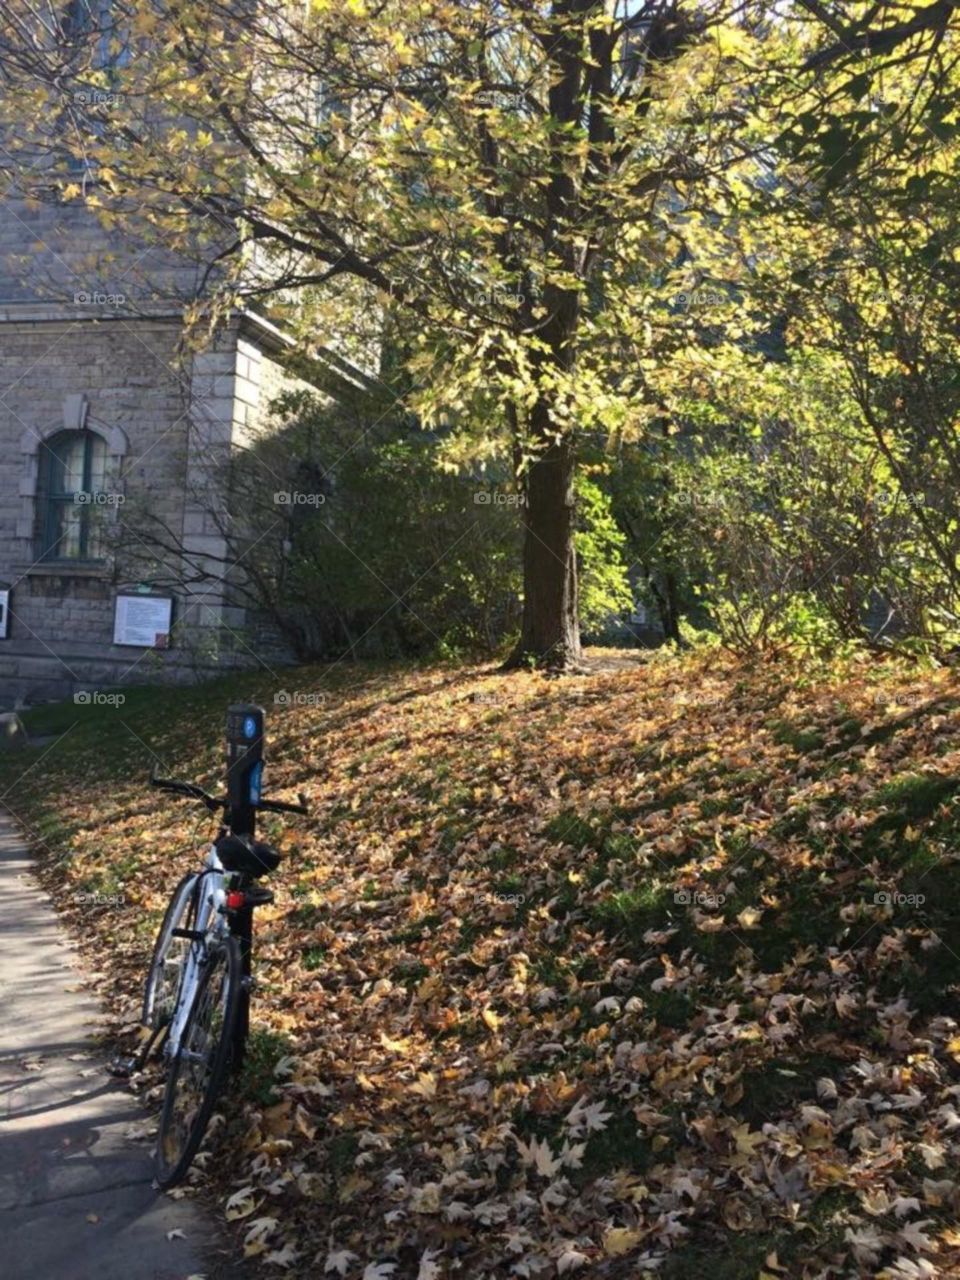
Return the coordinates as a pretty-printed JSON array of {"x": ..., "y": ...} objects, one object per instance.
[{"x": 244, "y": 765}]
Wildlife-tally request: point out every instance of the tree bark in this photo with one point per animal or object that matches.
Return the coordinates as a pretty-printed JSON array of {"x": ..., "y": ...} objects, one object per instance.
[{"x": 550, "y": 630}]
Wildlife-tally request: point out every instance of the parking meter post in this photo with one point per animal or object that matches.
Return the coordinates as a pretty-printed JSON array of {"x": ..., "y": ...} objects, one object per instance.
[
  {"x": 245, "y": 726},
  {"x": 245, "y": 729}
]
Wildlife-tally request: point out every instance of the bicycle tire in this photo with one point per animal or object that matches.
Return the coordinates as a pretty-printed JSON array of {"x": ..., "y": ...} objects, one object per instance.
[
  {"x": 195, "y": 1075},
  {"x": 180, "y": 913}
]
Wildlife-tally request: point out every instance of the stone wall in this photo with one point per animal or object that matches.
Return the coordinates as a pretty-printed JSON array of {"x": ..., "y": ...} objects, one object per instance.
[
  {"x": 57, "y": 252},
  {"x": 163, "y": 419}
]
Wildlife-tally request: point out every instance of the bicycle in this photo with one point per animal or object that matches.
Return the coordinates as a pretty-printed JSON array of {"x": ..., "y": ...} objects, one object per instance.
[{"x": 196, "y": 1003}]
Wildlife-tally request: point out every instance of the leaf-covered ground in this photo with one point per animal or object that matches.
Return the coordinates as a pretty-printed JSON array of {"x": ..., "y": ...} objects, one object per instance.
[{"x": 651, "y": 970}]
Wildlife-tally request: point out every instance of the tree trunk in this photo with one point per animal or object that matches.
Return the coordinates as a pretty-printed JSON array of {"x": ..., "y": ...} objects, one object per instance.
[{"x": 550, "y": 628}]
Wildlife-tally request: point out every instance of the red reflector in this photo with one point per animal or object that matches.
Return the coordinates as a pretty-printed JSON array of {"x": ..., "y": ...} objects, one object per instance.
[{"x": 235, "y": 899}]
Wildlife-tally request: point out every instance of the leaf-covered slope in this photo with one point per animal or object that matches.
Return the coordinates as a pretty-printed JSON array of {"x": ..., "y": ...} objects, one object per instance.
[{"x": 647, "y": 970}]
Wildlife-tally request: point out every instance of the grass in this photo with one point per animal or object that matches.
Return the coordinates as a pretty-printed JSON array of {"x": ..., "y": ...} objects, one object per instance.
[
  {"x": 433, "y": 1019},
  {"x": 802, "y": 740},
  {"x": 913, "y": 797},
  {"x": 776, "y": 1086},
  {"x": 257, "y": 1080},
  {"x": 632, "y": 912}
]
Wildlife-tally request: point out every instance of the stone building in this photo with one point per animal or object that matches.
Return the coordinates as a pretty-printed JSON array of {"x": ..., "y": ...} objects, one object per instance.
[{"x": 101, "y": 413}]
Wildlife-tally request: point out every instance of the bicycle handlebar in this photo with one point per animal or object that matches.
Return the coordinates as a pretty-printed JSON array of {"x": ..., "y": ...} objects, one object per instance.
[
  {"x": 281, "y": 806},
  {"x": 188, "y": 789},
  {"x": 213, "y": 803}
]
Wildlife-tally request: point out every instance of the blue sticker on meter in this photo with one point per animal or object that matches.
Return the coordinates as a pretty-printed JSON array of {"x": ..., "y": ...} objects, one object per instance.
[
  {"x": 256, "y": 773},
  {"x": 250, "y": 727}
]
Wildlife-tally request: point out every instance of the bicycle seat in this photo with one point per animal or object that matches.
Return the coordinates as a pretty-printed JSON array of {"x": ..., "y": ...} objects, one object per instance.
[{"x": 250, "y": 857}]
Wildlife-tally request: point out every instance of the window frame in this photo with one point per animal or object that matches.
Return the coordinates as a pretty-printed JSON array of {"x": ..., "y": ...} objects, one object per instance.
[{"x": 51, "y": 503}]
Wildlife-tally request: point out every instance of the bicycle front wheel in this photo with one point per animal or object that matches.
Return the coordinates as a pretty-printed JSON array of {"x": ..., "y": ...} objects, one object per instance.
[
  {"x": 196, "y": 1073},
  {"x": 169, "y": 955}
]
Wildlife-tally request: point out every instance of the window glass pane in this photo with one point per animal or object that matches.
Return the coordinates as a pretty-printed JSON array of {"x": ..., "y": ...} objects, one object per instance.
[
  {"x": 92, "y": 546},
  {"x": 98, "y": 462},
  {"x": 66, "y": 530},
  {"x": 67, "y": 463}
]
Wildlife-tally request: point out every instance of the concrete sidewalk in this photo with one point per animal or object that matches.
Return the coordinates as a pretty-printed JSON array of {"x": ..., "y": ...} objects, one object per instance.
[{"x": 76, "y": 1201}]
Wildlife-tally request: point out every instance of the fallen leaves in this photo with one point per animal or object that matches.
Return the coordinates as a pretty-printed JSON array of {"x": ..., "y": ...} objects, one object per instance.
[
  {"x": 620, "y": 1240},
  {"x": 585, "y": 983},
  {"x": 241, "y": 1204}
]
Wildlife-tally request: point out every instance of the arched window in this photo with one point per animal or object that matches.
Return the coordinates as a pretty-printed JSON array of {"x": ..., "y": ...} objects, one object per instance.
[{"x": 72, "y": 470}]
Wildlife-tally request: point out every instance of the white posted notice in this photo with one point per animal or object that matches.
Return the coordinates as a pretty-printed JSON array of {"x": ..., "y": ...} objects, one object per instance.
[{"x": 143, "y": 621}]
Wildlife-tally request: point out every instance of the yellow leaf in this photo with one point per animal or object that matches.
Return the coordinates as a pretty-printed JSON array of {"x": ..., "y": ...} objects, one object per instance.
[
  {"x": 620, "y": 1240},
  {"x": 352, "y": 1186},
  {"x": 711, "y": 924},
  {"x": 426, "y": 1085},
  {"x": 396, "y": 1046},
  {"x": 746, "y": 1141},
  {"x": 429, "y": 987},
  {"x": 491, "y": 1019},
  {"x": 303, "y": 1123}
]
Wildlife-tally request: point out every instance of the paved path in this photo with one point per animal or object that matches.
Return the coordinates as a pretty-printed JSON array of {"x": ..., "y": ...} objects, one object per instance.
[{"x": 76, "y": 1201}]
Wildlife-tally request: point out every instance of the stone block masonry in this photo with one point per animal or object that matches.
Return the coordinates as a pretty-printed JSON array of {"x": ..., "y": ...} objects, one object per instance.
[
  {"x": 159, "y": 416},
  {"x": 90, "y": 334}
]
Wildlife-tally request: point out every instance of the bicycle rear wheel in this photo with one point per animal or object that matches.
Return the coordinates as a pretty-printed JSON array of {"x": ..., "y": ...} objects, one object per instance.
[
  {"x": 169, "y": 955},
  {"x": 196, "y": 1072}
]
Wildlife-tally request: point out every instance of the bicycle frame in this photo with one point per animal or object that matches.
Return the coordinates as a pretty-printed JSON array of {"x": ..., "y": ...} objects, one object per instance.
[{"x": 215, "y": 918}]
